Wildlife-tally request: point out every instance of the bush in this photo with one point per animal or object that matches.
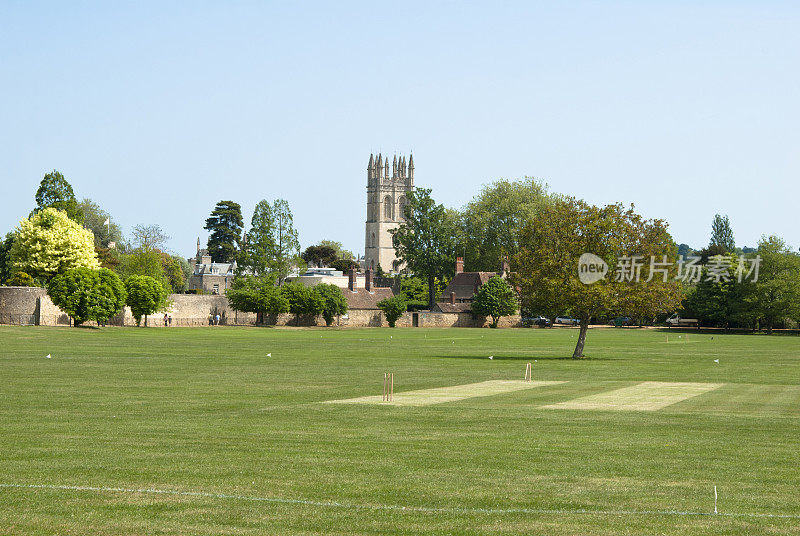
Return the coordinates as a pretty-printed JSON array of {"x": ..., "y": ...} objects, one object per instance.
[
  {"x": 21, "y": 279},
  {"x": 303, "y": 301},
  {"x": 393, "y": 308},
  {"x": 145, "y": 296},
  {"x": 86, "y": 294},
  {"x": 496, "y": 298},
  {"x": 333, "y": 301}
]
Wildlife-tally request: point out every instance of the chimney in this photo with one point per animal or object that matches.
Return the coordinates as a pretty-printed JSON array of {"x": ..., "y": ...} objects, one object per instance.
[
  {"x": 368, "y": 280},
  {"x": 459, "y": 265},
  {"x": 351, "y": 282},
  {"x": 452, "y": 298}
]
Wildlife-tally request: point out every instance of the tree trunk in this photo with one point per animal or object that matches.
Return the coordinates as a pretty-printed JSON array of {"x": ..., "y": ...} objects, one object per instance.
[
  {"x": 431, "y": 292},
  {"x": 578, "y": 353},
  {"x": 495, "y": 320},
  {"x": 769, "y": 326}
]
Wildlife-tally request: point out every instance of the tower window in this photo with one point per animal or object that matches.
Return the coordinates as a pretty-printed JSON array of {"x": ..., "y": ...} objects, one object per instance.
[
  {"x": 402, "y": 209},
  {"x": 387, "y": 208}
]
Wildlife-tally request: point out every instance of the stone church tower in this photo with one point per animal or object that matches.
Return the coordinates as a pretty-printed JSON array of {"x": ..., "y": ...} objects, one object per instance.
[{"x": 386, "y": 199}]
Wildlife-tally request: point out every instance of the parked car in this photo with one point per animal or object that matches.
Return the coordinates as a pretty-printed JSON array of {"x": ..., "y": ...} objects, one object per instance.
[
  {"x": 676, "y": 321},
  {"x": 622, "y": 321},
  {"x": 540, "y": 321},
  {"x": 567, "y": 320}
]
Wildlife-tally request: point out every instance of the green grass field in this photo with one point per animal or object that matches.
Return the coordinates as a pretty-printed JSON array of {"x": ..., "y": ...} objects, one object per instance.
[{"x": 197, "y": 431}]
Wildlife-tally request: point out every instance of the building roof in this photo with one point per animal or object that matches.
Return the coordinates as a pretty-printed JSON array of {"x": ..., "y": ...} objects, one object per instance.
[
  {"x": 215, "y": 268},
  {"x": 466, "y": 284},
  {"x": 361, "y": 299},
  {"x": 447, "y": 307}
]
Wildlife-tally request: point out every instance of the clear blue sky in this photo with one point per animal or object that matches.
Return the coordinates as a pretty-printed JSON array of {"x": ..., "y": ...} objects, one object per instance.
[{"x": 158, "y": 111}]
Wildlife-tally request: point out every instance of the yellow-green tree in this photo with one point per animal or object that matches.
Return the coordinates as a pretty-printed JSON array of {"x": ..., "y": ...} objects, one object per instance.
[
  {"x": 49, "y": 243},
  {"x": 552, "y": 243}
]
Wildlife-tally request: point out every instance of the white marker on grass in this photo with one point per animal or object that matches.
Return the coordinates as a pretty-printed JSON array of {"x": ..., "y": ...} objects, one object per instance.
[
  {"x": 491, "y": 357},
  {"x": 715, "y": 499},
  {"x": 269, "y": 355},
  {"x": 48, "y": 356}
]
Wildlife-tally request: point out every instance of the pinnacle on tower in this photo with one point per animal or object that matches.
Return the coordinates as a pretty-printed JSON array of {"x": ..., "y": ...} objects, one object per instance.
[
  {"x": 394, "y": 167},
  {"x": 370, "y": 167},
  {"x": 198, "y": 245}
]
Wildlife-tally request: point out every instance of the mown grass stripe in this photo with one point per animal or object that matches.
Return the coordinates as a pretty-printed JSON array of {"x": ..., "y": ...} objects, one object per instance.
[
  {"x": 440, "y": 395},
  {"x": 394, "y": 507},
  {"x": 645, "y": 396}
]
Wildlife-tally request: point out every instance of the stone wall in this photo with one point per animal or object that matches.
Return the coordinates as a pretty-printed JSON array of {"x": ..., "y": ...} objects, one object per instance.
[
  {"x": 20, "y": 305},
  {"x": 32, "y": 306}
]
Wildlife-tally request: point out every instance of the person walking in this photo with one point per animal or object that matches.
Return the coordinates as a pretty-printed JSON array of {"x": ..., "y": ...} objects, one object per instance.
[{"x": 216, "y": 319}]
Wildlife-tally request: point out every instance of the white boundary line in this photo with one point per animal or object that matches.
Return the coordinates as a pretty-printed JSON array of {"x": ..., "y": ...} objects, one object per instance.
[{"x": 395, "y": 507}]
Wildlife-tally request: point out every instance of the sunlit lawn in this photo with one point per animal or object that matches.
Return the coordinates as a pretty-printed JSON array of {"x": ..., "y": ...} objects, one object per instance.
[{"x": 244, "y": 445}]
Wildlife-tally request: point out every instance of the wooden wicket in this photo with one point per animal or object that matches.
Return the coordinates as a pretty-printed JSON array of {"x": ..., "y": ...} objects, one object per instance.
[
  {"x": 528, "y": 372},
  {"x": 388, "y": 386}
]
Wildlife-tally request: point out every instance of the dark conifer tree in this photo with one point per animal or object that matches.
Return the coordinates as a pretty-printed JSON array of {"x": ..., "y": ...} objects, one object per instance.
[{"x": 225, "y": 224}]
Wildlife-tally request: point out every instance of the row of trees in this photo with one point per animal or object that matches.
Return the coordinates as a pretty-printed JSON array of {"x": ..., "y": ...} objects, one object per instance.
[
  {"x": 544, "y": 235},
  {"x": 271, "y": 245},
  {"x": 73, "y": 249},
  {"x": 46, "y": 244},
  {"x": 262, "y": 295}
]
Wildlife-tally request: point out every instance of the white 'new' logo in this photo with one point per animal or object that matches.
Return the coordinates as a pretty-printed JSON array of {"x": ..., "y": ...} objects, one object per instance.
[{"x": 591, "y": 268}]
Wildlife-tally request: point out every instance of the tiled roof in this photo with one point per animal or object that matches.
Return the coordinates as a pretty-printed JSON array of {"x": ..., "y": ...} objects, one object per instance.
[
  {"x": 361, "y": 299},
  {"x": 466, "y": 284}
]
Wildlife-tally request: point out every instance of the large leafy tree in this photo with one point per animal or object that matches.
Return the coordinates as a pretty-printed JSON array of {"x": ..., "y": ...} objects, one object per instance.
[
  {"x": 174, "y": 273},
  {"x": 145, "y": 256},
  {"x": 425, "y": 241},
  {"x": 776, "y": 293},
  {"x": 258, "y": 295},
  {"x": 287, "y": 241},
  {"x": 495, "y": 299},
  {"x": 721, "y": 300},
  {"x": 722, "y": 235},
  {"x": 86, "y": 294},
  {"x": 341, "y": 253},
  {"x": 259, "y": 249},
  {"x": 491, "y": 223},
  {"x": 304, "y": 302},
  {"x": 55, "y": 192},
  {"x": 146, "y": 295},
  {"x": 94, "y": 219},
  {"x": 225, "y": 224},
  {"x": 333, "y": 301},
  {"x": 49, "y": 242},
  {"x": 319, "y": 255},
  {"x": 553, "y": 242},
  {"x": 272, "y": 241}
]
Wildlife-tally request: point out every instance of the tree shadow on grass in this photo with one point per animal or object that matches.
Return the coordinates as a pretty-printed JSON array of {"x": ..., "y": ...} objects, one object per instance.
[{"x": 528, "y": 358}]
